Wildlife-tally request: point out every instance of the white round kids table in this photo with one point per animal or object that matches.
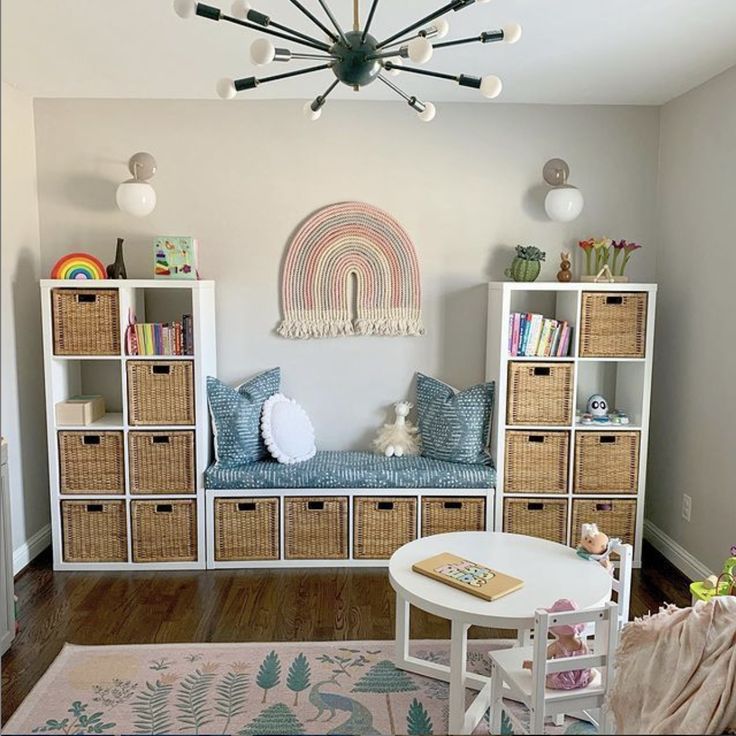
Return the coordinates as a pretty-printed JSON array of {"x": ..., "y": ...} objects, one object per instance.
[{"x": 549, "y": 571}]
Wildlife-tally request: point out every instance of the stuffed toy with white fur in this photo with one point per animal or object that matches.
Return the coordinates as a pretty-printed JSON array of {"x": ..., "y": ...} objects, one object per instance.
[{"x": 399, "y": 438}]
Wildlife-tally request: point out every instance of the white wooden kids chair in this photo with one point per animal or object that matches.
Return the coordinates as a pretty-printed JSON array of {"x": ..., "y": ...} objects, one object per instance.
[
  {"x": 621, "y": 583},
  {"x": 509, "y": 677}
]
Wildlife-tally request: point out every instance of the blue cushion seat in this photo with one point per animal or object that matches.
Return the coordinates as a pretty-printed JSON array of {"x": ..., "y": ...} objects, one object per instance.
[{"x": 351, "y": 470}]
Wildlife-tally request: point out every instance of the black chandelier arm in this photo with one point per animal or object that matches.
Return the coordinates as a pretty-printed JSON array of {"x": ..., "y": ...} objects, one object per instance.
[
  {"x": 212, "y": 13},
  {"x": 369, "y": 20},
  {"x": 253, "y": 82},
  {"x": 413, "y": 102},
  {"x": 315, "y": 20},
  {"x": 264, "y": 20},
  {"x": 453, "y": 5},
  {"x": 298, "y": 55},
  {"x": 320, "y": 100},
  {"x": 403, "y": 52},
  {"x": 334, "y": 22},
  {"x": 464, "y": 80},
  {"x": 485, "y": 37}
]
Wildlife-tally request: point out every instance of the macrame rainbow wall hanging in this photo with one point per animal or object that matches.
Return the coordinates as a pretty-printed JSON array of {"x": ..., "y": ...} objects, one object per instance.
[{"x": 333, "y": 245}]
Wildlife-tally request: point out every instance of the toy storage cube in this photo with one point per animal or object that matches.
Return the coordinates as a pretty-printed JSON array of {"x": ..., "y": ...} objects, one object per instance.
[
  {"x": 441, "y": 515},
  {"x": 160, "y": 392},
  {"x": 536, "y": 462},
  {"x": 606, "y": 462},
  {"x": 540, "y": 393},
  {"x": 546, "y": 519},
  {"x": 316, "y": 528},
  {"x": 613, "y": 325},
  {"x": 91, "y": 462},
  {"x": 161, "y": 462},
  {"x": 615, "y": 517},
  {"x": 164, "y": 531},
  {"x": 86, "y": 321},
  {"x": 246, "y": 529},
  {"x": 94, "y": 531},
  {"x": 382, "y": 525}
]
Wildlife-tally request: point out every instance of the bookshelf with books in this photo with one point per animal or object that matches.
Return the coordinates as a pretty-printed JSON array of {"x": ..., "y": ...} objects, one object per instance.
[
  {"x": 556, "y": 467},
  {"x": 132, "y": 480}
]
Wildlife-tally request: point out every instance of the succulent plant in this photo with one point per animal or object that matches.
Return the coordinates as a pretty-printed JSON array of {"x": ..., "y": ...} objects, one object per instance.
[{"x": 529, "y": 253}]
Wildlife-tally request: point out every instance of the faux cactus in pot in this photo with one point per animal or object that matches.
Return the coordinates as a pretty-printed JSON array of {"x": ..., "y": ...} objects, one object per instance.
[{"x": 526, "y": 264}]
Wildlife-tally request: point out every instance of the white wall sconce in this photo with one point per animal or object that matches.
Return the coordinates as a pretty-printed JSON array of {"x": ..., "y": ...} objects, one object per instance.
[
  {"x": 136, "y": 196},
  {"x": 563, "y": 202}
]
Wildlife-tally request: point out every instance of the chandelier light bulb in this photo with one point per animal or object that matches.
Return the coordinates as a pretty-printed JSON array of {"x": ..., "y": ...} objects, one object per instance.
[
  {"x": 442, "y": 26},
  {"x": 185, "y": 8},
  {"x": 262, "y": 52},
  {"x": 427, "y": 115},
  {"x": 310, "y": 114},
  {"x": 226, "y": 88},
  {"x": 395, "y": 62},
  {"x": 240, "y": 9},
  {"x": 482, "y": 2},
  {"x": 420, "y": 50},
  {"x": 511, "y": 33},
  {"x": 491, "y": 87}
]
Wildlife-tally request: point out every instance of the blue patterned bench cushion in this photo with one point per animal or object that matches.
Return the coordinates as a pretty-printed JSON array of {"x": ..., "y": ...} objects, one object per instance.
[{"x": 352, "y": 470}]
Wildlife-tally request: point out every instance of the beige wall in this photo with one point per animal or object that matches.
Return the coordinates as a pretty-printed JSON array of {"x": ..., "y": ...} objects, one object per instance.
[
  {"x": 241, "y": 176},
  {"x": 22, "y": 401},
  {"x": 694, "y": 401}
]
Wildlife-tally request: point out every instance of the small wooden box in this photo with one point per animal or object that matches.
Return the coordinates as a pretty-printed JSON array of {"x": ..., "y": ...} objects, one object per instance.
[{"x": 80, "y": 410}]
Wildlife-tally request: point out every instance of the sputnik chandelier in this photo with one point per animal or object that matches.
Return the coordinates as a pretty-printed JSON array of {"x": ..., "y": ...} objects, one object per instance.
[{"x": 356, "y": 58}]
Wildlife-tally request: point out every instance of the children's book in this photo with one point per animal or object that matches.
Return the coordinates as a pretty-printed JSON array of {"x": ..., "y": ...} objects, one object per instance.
[
  {"x": 473, "y": 578},
  {"x": 175, "y": 257}
]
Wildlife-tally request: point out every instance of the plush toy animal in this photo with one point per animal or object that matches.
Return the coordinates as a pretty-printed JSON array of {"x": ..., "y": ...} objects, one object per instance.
[
  {"x": 399, "y": 438},
  {"x": 595, "y": 545}
]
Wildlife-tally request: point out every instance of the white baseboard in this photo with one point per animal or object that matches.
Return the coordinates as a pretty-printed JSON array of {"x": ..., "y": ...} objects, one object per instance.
[
  {"x": 686, "y": 563},
  {"x": 32, "y": 548}
]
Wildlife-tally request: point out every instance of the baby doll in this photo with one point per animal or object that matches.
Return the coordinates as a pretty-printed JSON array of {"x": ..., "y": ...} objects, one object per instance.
[
  {"x": 595, "y": 545},
  {"x": 567, "y": 644}
]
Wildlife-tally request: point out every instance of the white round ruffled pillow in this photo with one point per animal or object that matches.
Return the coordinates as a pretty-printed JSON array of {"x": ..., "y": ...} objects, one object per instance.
[{"x": 287, "y": 430}]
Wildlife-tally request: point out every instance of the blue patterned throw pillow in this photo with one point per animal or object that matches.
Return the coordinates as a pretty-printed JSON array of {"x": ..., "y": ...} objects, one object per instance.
[
  {"x": 454, "y": 425},
  {"x": 236, "y": 417}
]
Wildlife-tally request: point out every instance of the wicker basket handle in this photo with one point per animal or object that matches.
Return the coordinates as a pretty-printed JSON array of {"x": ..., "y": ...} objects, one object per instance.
[
  {"x": 246, "y": 506},
  {"x": 604, "y": 507},
  {"x": 614, "y": 300},
  {"x": 542, "y": 370},
  {"x": 161, "y": 370},
  {"x": 95, "y": 508},
  {"x": 453, "y": 504},
  {"x": 535, "y": 506},
  {"x": 91, "y": 439},
  {"x": 160, "y": 439},
  {"x": 535, "y": 438},
  {"x": 385, "y": 505},
  {"x": 316, "y": 505},
  {"x": 164, "y": 508},
  {"x": 86, "y": 298},
  {"x": 607, "y": 439}
]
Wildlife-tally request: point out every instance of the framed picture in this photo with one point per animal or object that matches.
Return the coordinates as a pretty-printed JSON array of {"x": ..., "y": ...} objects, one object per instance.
[{"x": 175, "y": 257}]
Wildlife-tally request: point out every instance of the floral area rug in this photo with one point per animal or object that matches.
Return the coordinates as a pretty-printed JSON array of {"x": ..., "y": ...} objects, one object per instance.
[{"x": 249, "y": 689}]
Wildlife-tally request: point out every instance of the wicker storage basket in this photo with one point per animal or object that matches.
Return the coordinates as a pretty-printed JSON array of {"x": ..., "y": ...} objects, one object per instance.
[
  {"x": 316, "y": 528},
  {"x": 536, "y": 462},
  {"x": 382, "y": 525},
  {"x": 615, "y": 517},
  {"x": 246, "y": 529},
  {"x": 539, "y": 393},
  {"x": 606, "y": 462},
  {"x": 161, "y": 462},
  {"x": 94, "y": 531},
  {"x": 546, "y": 519},
  {"x": 440, "y": 515},
  {"x": 160, "y": 392},
  {"x": 613, "y": 325},
  {"x": 164, "y": 531},
  {"x": 91, "y": 462},
  {"x": 86, "y": 321}
]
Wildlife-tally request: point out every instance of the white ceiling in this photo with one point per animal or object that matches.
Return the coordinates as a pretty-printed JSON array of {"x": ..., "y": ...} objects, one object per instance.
[{"x": 572, "y": 51}]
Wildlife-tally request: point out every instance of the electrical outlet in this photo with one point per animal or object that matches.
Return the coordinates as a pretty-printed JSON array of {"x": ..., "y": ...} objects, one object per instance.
[{"x": 687, "y": 506}]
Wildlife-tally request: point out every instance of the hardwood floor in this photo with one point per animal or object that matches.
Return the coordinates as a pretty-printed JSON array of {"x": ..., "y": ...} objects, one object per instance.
[{"x": 278, "y": 605}]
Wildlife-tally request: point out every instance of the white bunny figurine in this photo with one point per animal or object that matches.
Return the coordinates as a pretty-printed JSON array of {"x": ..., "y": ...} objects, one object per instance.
[{"x": 399, "y": 438}]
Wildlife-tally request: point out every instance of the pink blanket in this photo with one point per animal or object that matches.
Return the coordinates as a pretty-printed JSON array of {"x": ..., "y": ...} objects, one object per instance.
[{"x": 676, "y": 671}]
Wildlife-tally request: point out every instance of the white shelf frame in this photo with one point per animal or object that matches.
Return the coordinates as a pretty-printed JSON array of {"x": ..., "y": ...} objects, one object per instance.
[
  {"x": 497, "y": 359},
  {"x": 57, "y": 367}
]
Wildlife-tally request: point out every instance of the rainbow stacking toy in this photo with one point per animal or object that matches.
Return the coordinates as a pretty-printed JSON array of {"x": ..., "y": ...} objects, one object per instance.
[{"x": 78, "y": 266}]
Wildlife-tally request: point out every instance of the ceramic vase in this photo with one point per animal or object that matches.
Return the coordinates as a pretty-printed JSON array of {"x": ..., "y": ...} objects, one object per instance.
[{"x": 523, "y": 270}]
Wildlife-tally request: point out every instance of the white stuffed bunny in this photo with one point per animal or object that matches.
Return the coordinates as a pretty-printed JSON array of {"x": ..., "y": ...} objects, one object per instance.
[{"x": 399, "y": 438}]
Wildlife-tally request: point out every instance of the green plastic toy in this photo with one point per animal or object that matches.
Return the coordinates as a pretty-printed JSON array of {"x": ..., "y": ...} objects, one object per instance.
[{"x": 724, "y": 584}]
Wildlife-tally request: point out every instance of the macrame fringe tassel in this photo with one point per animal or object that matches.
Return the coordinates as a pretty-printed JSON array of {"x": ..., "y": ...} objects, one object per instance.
[{"x": 302, "y": 329}]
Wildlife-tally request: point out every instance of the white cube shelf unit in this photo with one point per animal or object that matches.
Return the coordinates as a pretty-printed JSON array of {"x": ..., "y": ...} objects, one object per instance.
[
  {"x": 170, "y": 512},
  {"x": 578, "y": 477}
]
